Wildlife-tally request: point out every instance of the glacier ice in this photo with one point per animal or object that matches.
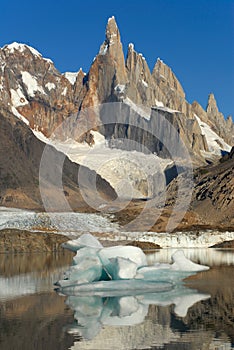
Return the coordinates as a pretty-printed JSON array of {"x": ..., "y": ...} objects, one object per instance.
[
  {"x": 123, "y": 268},
  {"x": 86, "y": 240},
  {"x": 115, "y": 285},
  {"x": 181, "y": 263},
  {"x": 98, "y": 269},
  {"x": 135, "y": 254}
]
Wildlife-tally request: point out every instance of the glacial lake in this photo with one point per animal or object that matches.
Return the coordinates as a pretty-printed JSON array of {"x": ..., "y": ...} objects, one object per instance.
[{"x": 197, "y": 316}]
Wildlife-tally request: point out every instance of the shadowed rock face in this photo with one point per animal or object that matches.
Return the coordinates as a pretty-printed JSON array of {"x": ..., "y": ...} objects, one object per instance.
[{"x": 20, "y": 157}]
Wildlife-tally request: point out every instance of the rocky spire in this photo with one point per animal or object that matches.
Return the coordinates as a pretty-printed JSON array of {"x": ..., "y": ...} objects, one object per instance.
[
  {"x": 139, "y": 77},
  {"x": 212, "y": 109},
  {"x": 108, "y": 69},
  {"x": 164, "y": 75},
  {"x": 222, "y": 127}
]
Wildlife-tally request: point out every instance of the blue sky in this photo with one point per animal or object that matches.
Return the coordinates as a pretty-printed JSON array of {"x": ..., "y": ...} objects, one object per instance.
[{"x": 194, "y": 37}]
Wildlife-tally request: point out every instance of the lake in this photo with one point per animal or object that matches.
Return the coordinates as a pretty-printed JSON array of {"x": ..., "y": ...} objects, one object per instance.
[{"x": 197, "y": 315}]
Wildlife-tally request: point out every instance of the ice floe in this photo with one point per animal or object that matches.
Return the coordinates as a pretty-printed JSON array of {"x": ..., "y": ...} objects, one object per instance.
[
  {"x": 120, "y": 268},
  {"x": 115, "y": 286}
]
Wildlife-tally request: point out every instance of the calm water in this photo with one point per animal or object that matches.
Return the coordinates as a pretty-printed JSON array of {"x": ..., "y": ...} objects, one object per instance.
[{"x": 199, "y": 315}]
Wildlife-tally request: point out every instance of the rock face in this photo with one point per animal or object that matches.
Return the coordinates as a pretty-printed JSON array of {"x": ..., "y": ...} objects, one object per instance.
[
  {"x": 36, "y": 92},
  {"x": 107, "y": 76},
  {"x": 222, "y": 127},
  {"x": 20, "y": 157},
  {"x": 33, "y": 91},
  {"x": 110, "y": 80},
  {"x": 213, "y": 194},
  {"x": 33, "y": 88}
]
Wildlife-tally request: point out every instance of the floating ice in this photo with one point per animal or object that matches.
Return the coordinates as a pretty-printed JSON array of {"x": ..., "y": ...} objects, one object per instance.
[
  {"x": 181, "y": 263},
  {"x": 123, "y": 268},
  {"x": 98, "y": 269},
  {"x": 115, "y": 286},
  {"x": 86, "y": 240},
  {"x": 135, "y": 254}
]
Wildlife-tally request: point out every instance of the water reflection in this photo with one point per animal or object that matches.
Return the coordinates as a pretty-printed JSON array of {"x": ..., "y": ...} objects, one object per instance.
[
  {"x": 26, "y": 274},
  {"x": 42, "y": 319},
  {"x": 210, "y": 256},
  {"x": 196, "y": 314},
  {"x": 91, "y": 313}
]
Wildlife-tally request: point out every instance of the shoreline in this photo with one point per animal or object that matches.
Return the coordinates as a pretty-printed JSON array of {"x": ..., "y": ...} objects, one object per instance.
[{"x": 19, "y": 241}]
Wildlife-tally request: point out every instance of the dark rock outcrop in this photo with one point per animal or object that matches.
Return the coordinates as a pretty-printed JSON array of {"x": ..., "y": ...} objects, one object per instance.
[{"x": 20, "y": 159}]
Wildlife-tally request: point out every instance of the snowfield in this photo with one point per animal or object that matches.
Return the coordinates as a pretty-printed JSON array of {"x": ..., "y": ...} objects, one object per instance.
[
  {"x": 132, "y": 174},
  {"x": 215, "y": 143}
]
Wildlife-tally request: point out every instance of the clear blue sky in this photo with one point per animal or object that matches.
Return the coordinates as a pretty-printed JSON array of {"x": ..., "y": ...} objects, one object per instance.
[{"x": 194, "y": 37}]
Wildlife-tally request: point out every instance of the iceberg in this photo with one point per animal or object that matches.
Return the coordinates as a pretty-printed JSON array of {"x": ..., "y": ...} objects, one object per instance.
[
  {"x": 86, "y": 240},
  {"x": 135, "y": 254},
  {"x": 98, "y": 269},
  {"x": 115, "y": 285},
  {"x": 181, "y": 263}
]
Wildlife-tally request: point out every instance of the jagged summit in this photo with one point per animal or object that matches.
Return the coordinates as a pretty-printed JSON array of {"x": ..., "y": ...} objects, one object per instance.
[
  {"x": 212, "y": 105},
  {"x": 45, "y": 97},
  {"x": 23, "y": 49},
  {"x": 112, "y": 41},
  {"x": 111, "y": 28}
]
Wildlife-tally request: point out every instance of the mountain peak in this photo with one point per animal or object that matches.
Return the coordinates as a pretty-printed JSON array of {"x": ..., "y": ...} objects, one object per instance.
[
  {"x": 15, "y": 46},
  {"x": 212, "y": 107},
  {"x": 112, "y": 18},
  {"x": 24, "y": 49},
  {"x": 112, "y": 31}
]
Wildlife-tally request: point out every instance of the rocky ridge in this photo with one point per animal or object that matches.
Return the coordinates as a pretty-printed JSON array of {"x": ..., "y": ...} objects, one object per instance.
[{"x": 35, "y": 91}]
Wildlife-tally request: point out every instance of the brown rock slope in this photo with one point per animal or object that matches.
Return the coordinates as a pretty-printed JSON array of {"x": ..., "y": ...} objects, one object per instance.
[
  {"x": 19, "y": 241},
  {"x": 213, "y": 195},
  {"x": 20, "y": 157}
]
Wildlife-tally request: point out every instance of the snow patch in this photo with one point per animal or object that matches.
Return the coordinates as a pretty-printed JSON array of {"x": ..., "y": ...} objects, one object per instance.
[
  {"x": 111, "y": 18},
  {"x": 144, "y": 83},
  {"x": 165, "y": 109},
  {"x": 22, "y": 47},
  {"x": 50, "y": 86},
  {"x": 159, "y": 103},
  {"x": 1, "y": 83},
  {"x": 64, "y": 92},
  {"x": 31, "y": 83},
  {"x": 18, "y": 98},
  {"x": 215, "y": 143},
  {"x": 103, "y": 49},
  {"x": 71, "y": 76},
  {"x": 144, "y": 113},
  {"x": 120, "y": 88}
]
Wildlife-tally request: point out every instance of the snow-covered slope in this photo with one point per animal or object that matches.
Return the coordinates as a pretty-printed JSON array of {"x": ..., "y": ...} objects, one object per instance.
[
  {"x": 131, "y": 174},
  {"x": 71, "y": 76},
  {"x": 215, "y": 143}
]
